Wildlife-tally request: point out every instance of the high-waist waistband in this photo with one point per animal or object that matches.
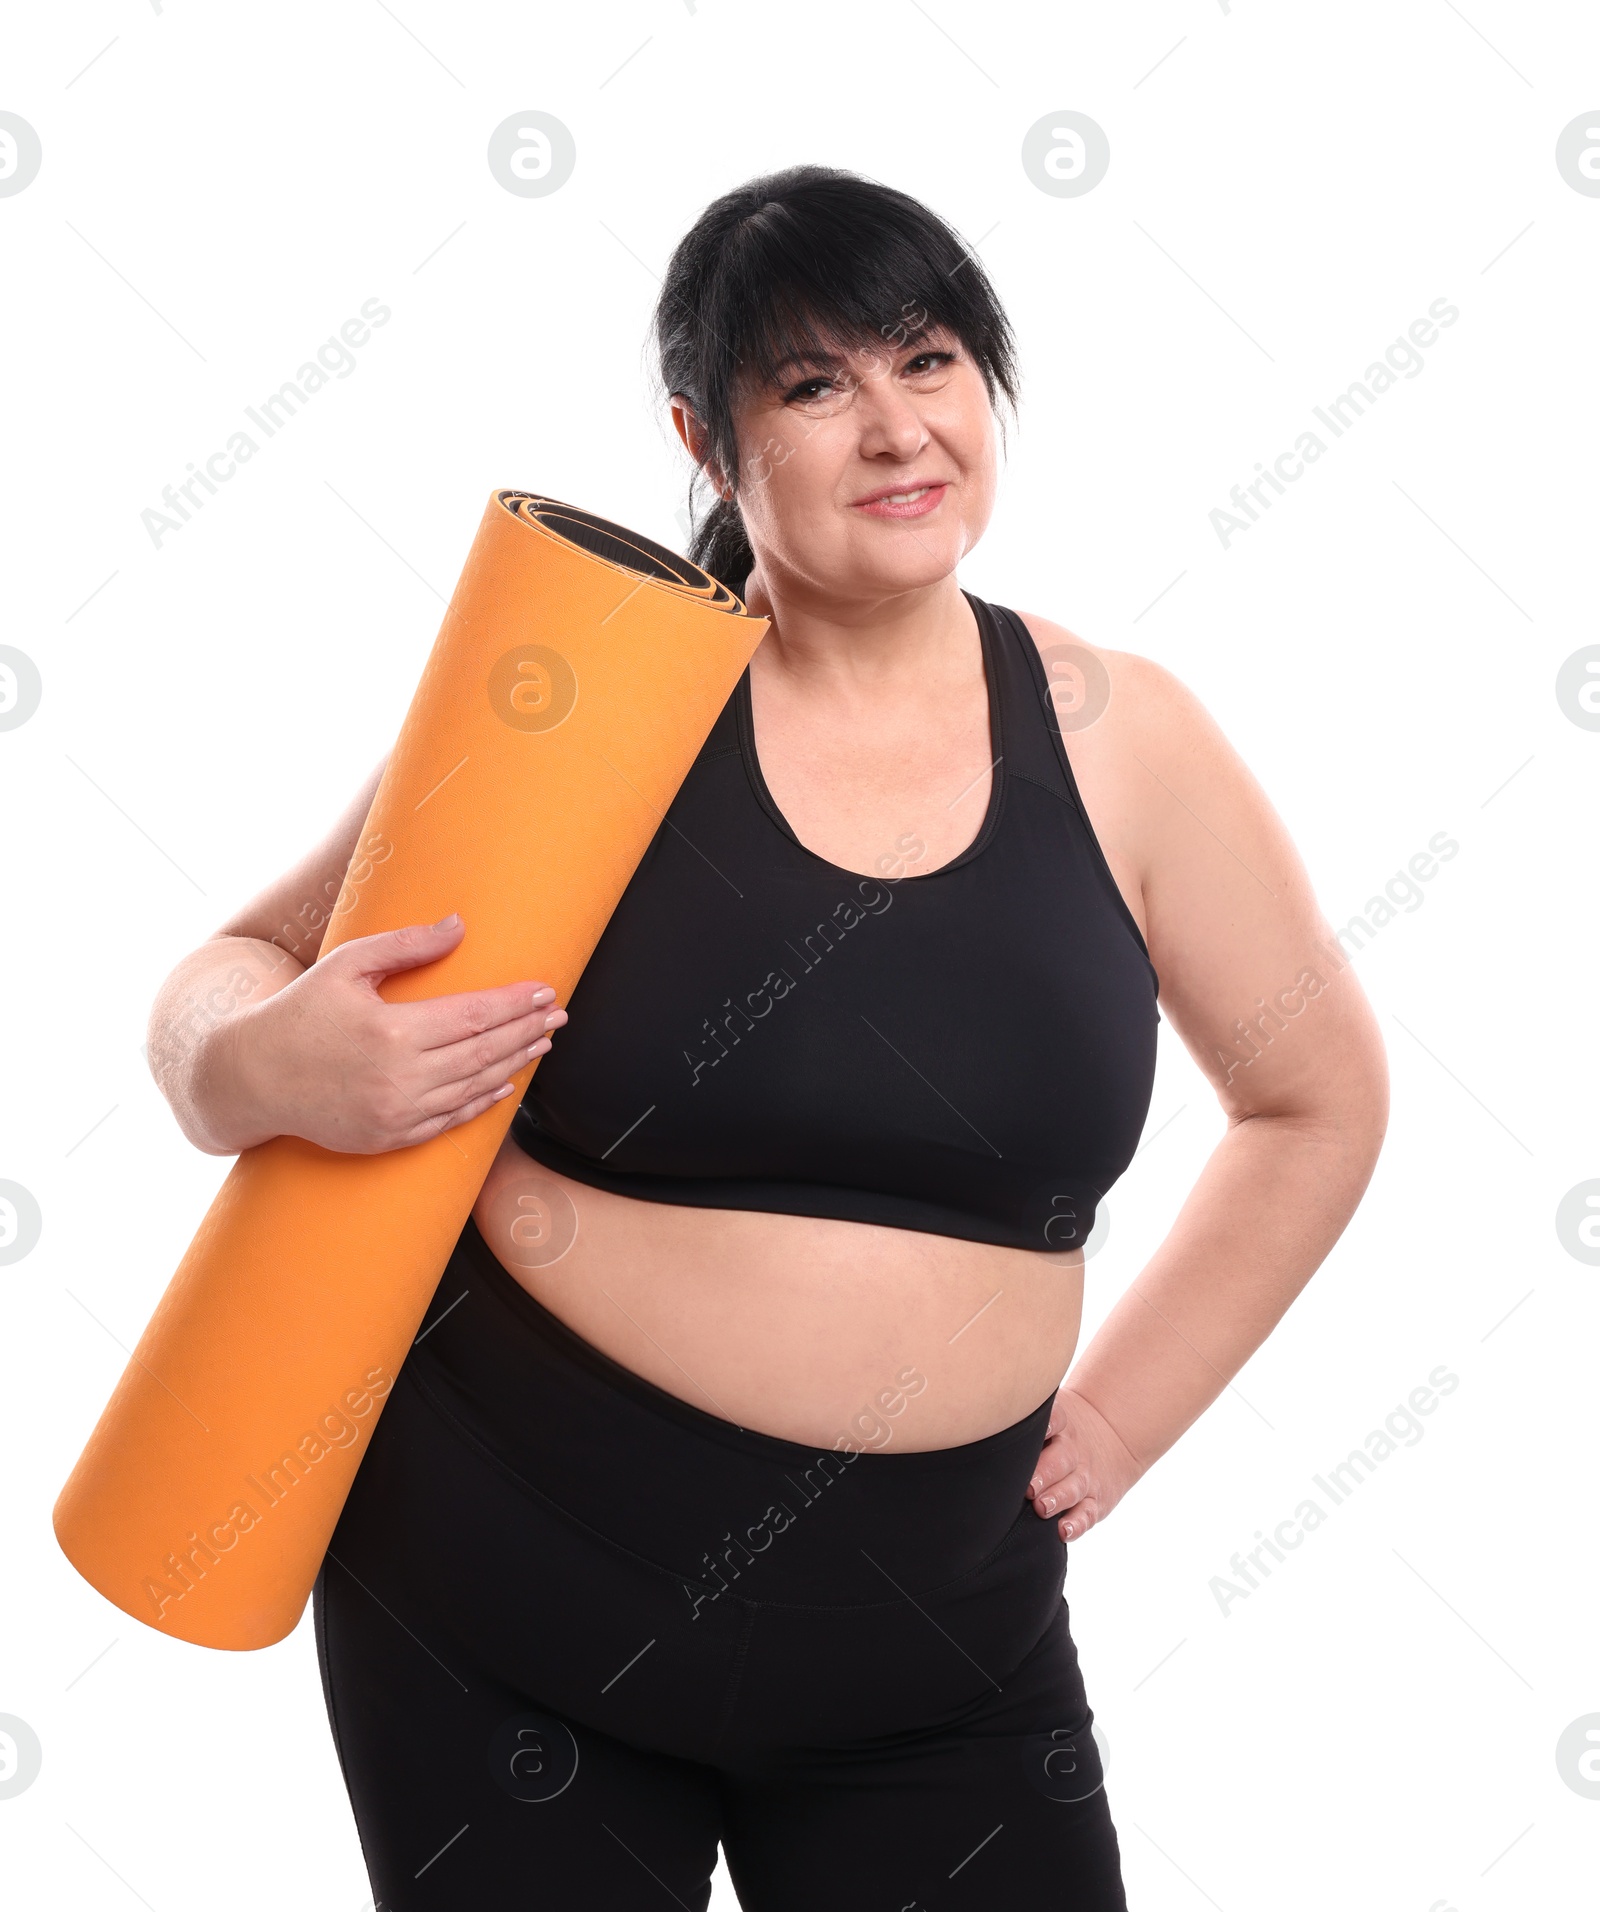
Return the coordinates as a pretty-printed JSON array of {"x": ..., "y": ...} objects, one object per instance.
[{"x": 694, "y": 1493}]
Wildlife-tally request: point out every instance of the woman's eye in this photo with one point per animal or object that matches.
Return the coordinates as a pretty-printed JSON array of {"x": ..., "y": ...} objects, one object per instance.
[
  {"x": 930, "y": 361},
  {"x": 812, "y": 388}
]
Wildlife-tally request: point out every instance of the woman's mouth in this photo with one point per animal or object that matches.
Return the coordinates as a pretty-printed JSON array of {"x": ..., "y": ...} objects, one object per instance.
[{"x": 909, "y": 501}]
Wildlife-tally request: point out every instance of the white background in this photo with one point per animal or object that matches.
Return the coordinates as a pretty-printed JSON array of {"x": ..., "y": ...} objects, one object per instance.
[{"x": 1289, "y": 188}]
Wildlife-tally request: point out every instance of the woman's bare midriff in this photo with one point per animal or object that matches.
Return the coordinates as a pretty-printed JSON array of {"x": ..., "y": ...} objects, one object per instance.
[{"x": 806, "y": 1328}]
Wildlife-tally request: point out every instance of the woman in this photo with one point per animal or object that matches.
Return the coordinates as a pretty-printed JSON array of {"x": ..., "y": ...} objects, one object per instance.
[{"x": 726, "y": 1491}]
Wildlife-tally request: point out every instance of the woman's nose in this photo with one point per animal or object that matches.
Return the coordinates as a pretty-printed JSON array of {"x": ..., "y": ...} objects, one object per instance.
[{"x": 890, "y": 423}]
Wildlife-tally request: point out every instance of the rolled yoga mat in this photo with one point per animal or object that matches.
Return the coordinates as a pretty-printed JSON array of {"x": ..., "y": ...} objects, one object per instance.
[{"x": 577, "y": 673}]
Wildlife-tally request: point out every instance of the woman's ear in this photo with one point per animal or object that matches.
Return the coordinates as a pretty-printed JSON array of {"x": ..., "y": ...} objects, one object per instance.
[
  {"x": 693, "y": 433},
  {"x": 687, "y": 426}
]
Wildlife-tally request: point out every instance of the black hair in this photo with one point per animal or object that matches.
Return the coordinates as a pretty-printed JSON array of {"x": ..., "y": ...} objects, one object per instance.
[{"x": 790, "y": 264}]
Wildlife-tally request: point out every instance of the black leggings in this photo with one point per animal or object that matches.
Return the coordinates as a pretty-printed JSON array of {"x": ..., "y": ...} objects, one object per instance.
[{"x": 574, "y": 1631}]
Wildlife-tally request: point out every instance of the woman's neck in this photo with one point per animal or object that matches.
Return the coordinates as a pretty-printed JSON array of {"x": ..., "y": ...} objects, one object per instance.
[{"x": 823, "y": 643}]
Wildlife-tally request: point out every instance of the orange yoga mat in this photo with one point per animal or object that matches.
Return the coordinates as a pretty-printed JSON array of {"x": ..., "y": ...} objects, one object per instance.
[{"x": 578, "y": 671}]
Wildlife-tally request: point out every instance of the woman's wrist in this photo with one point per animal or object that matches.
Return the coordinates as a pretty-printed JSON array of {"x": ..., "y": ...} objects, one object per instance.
[
  {"x": 218, "y": 1071},
  {"x": 1119, "y": 1454},
  {"x": 239, "y": 1082}
]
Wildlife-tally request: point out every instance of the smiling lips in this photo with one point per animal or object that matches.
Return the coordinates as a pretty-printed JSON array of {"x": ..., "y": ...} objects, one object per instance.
[{"x": 905, "y": 501}]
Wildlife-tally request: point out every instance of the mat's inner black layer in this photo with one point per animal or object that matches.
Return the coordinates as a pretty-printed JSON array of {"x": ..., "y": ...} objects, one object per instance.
[
  {"x": 619, "y": 547},
  {"x": 613, "y": 542}
]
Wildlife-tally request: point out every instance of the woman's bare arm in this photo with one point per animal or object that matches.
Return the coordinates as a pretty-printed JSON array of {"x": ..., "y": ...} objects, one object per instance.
[
  {"x": 259, "y": 950},
  {"x": 1255, "y": 986}
]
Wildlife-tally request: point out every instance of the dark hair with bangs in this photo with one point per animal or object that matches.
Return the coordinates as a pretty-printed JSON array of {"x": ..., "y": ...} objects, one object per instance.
[{"x": 787, "y": 265}]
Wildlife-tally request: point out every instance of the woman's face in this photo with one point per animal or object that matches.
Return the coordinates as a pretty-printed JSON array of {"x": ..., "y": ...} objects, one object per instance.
[{"x": 868, "y": 472}]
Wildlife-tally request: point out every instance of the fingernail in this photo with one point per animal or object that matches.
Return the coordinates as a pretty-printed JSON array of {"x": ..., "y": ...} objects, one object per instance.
[
  {"x": 1049, "y": 1502},
  {"x": 538, "y": 1049},
  {"x": 1035, "y": 1484},
  {"x": 448, "y": 922},
  {"x": 1067, "y": 1530},
  {"x": 543, "y": 995}
]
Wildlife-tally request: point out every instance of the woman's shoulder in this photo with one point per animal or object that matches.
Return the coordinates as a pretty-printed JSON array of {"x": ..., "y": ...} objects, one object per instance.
[
  {"x": 1214, "y": 880},
  {"x": 1153, "y": 765},
  {"x": 1127, "y": 697}
]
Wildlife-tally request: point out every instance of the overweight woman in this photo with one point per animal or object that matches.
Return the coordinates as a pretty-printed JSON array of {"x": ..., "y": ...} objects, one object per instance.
[{"x": 727, "y": 1490}]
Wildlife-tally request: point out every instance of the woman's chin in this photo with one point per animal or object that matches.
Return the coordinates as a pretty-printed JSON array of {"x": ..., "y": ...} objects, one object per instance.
[
  {"x": 904, "y": 557},
  {"x": 877, "y": 560},
  {"x": 915, "y": 570}
]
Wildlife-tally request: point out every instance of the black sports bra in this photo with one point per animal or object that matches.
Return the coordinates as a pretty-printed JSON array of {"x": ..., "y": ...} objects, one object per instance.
[{"x": 968, "y": 1051}]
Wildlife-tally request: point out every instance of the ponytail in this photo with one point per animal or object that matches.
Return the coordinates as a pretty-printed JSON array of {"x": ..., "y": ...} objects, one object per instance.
[{"x": 720, "y": 545}]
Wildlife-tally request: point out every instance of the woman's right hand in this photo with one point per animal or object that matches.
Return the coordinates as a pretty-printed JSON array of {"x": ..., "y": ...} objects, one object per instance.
[{"x": 328, "y": 1059}]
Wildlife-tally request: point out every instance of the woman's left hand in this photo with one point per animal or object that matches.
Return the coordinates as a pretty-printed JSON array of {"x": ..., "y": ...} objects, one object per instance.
[{"x": 1084, "y": 1469}]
